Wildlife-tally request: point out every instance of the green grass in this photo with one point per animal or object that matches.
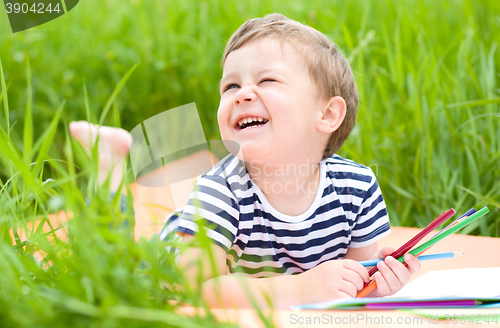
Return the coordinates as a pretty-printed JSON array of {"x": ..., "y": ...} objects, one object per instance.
[
  {"x": 427, "y": 75},
  {"x": 428, "y": 125},
  {"x": 96, "y": 276}
]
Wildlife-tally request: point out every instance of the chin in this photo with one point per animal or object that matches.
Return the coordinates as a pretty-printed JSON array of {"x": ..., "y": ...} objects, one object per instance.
[{"x": 251, "y": 154}]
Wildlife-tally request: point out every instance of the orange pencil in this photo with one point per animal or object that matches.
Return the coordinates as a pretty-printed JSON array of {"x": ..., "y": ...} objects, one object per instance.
[{"x": 373, "y": 284}]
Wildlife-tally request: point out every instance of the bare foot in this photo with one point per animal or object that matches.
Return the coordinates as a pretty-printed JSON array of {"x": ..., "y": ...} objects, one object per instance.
[{"x": 114, "y": 144}]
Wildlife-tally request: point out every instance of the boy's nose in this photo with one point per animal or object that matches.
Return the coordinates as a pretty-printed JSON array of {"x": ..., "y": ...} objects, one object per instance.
[{"x": 245, "y": 94}]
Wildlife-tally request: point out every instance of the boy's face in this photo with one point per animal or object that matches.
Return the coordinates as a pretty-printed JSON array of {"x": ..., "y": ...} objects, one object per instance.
[{"x": 269, "y": 103}]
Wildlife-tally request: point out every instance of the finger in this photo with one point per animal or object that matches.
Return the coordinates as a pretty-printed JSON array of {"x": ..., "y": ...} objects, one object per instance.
[
  {"x": 353, "y": 278},
  {"x": 382, "y": 286},
  {"x": 348, "y": 288},
  {"x": 400, "y": 270},
  {"x": 386, "y": 269},
  {"x": 413, "y": 263},
  {"x": 358, "y": 268},
  {"x": 385, "y": 251}
]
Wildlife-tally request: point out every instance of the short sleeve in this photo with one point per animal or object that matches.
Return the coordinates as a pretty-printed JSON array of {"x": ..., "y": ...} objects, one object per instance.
[
  {"x": 372, "y": 220},
  {"x": 212, "y": 205}
]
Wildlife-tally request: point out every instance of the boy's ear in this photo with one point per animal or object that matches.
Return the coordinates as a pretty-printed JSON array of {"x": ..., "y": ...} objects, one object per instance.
[{"x": 332, "y": 115}]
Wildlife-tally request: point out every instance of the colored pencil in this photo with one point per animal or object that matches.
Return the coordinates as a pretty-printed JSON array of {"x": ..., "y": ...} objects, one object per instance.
[
  {"x": 417, "y": 304},
  {"x": 436, "y": 256},
  {"x": 373, "y": 284},
  {"x": 425, "y": 246},
  {"x": 449, "y": 231},
  {"x": 418, "y": 237},
  {"x": 467, "y": 214}
]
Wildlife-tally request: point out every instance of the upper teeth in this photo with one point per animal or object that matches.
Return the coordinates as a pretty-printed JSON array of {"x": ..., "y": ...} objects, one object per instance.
[{"x": 250, "y": 119}]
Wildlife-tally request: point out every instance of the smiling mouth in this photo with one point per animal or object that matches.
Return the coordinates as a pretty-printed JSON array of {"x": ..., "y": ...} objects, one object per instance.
[{"x": 249, "y": 122}]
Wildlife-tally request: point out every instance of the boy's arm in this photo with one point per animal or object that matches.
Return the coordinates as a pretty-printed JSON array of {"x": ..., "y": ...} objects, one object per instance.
[
  {"x": 362, "y": 253},
  {"x": 239, "y": 291},
  {"x": 327, "y": 281},
  {"x": 221, "y": 290},
  {"x": 190, "y": 258}
]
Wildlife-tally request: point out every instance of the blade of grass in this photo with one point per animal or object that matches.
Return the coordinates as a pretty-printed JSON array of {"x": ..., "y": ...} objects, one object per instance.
[
  {"x": 89, "y": 115},
  {"x": 116, "y": 115},
  {"x": 64, "y": 6},
  {"x": 474, "y": 103},
  {"x": 5, "y": 99},
  {"x": 12, "y": 154},
  {"x": 70, "y": 160},
  {"x": 46, "y": 140},
  {"x": 115, "y": 93},
  {"x": 28, "y": 120},
  {"x": 473, "y": 167},
  {"x": 485, "y": 199}
]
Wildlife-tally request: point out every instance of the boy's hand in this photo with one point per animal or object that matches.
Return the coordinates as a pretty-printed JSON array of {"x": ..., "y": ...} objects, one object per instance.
[
  {"x": 383, "y": 253},
  {"x": 393, "y": 275},
  {"x": 330, "y": 280}
]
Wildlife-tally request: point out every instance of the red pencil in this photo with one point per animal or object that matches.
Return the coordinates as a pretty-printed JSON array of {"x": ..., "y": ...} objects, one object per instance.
[{"x": 418, "y": 237}]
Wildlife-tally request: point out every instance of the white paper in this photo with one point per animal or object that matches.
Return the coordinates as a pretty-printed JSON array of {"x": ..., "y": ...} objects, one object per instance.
[{"x": 472, "y": 282}]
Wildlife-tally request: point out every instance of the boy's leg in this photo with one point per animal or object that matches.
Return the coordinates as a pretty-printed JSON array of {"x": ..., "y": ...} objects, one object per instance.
[
  {"x": 113, "y": 147},
  {"x": 114, "y": 144}
]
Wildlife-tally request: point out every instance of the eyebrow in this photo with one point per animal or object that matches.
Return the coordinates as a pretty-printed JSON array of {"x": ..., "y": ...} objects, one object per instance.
[{"x": 265, "y": 70}]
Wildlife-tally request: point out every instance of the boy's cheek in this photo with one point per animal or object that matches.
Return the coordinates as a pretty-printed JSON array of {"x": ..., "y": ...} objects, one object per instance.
[{"x": 223, "y": 127}]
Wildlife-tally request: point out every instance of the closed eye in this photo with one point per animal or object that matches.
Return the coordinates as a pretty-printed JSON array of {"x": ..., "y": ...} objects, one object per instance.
[{"x": 267, "y": 80}]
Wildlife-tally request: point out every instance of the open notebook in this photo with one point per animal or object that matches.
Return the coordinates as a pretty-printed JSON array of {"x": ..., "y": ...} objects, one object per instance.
[{"x": 445, "y": 289}]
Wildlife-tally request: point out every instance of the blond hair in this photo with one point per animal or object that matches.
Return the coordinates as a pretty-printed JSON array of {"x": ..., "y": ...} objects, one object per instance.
[{"x": 327, "y": 66}]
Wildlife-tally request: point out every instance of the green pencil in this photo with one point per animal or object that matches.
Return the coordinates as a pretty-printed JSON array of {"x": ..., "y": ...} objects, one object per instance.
[{"x": 447, "y": 232}]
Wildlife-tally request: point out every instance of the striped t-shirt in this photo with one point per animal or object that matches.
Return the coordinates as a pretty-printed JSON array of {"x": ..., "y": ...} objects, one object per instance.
[{"x": 348, "y": 211}]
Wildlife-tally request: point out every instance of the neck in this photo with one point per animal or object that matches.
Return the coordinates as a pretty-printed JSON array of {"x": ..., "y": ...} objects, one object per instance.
[{"x": 292, "y": 185}]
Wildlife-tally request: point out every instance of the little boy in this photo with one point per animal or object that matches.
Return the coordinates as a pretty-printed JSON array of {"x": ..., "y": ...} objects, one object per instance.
[{"x": 286, "y": 215}]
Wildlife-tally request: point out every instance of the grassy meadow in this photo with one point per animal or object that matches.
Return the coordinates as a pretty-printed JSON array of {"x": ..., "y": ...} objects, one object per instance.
[{"x": 428, "y": 125}]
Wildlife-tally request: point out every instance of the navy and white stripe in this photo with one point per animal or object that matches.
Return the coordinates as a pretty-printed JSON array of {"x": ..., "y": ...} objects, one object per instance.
[{"x": 348, "y": 211}]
